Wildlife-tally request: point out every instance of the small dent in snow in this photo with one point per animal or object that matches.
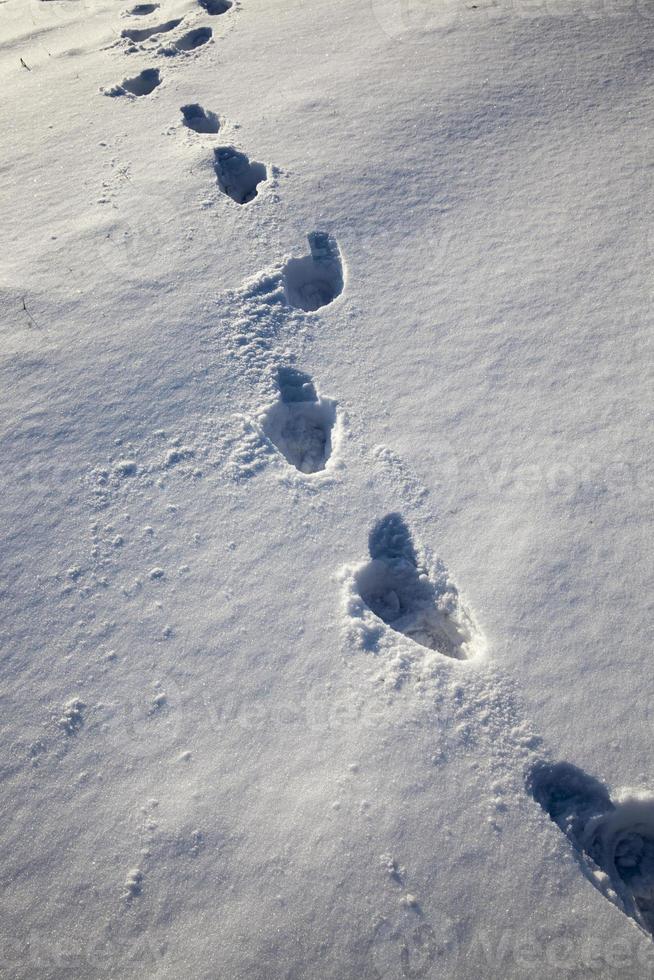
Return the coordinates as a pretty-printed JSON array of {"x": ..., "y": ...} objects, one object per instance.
[
  {"x": 178, "y": 454},
  {"x": 72, "y": 719},
  {"x": 391, "y": 866},
  {"x": 125, "y": 467},
  {"x": 133, "y": 883},
  {"x": 142, "y": 84},
  {"x": 200, "y": 120},
  {"x": 142, "y": 9}
]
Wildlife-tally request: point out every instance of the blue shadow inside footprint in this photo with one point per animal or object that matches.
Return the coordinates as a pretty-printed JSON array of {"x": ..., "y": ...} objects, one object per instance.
[
  {"x": 215, "y": 7},
  {"x": 568, "y": 795},
  {"x": 300, "y": 422},
  {"x": 238, "y": 177},
  {"x": 397, "y": 588},
  {"x": 391, "y": 539},
  {"x": 295, "y": 386},
  {"x": 615, "y": 837},
  {"x": 317, "y": 279},
  {"x": 198, "y": 119}
]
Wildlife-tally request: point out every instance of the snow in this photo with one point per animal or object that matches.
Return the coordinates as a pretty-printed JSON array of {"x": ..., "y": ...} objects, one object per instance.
[{"x": 316, "y": 558}]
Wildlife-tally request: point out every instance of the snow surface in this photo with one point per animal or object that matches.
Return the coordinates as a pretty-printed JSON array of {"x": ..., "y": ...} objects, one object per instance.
[{"x": 287, "y": 678}]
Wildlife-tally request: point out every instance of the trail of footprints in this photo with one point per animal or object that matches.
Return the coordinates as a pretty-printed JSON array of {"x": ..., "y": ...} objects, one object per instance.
[
  {"x": 396, "y": 590},
  {"x": 147, "y": 80}
]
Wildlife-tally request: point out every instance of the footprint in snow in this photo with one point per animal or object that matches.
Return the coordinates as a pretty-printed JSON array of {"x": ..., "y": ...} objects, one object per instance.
[
  {"x": 143, "y": 9},
  {"x": 237, "y": 176},
  {"x": 300, "y": 422},
  {"x": 142, "y": 84},
  {"x": 143, "y": 33},
  {"x": 189, "y": 41},
  {"x": 397, "y": 586},
  {"x": 317, "y": 279},
  {"x": 200, "y": 120},
  {"x": 615, "y": 837},
  {"x": 215, "y": 7}
]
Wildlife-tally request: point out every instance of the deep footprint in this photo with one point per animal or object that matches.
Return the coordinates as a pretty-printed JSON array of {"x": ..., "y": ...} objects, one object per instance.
[
  {"x": 215, "y": 7},
  {"x": 300, "y": 422},
  {"x": 143, "y": 9},
  {"x": 143, "y": 33},
  {"x": 193, "y": 39},
  {"x": 317, "y": 279},
  {"x": 616, "y": 838},
  {"x": 141, "y": 84},
  {"x": 237, "y": 176},
  {"x": 200, "y": 120},
  {"x": 397, "y": 587}
]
